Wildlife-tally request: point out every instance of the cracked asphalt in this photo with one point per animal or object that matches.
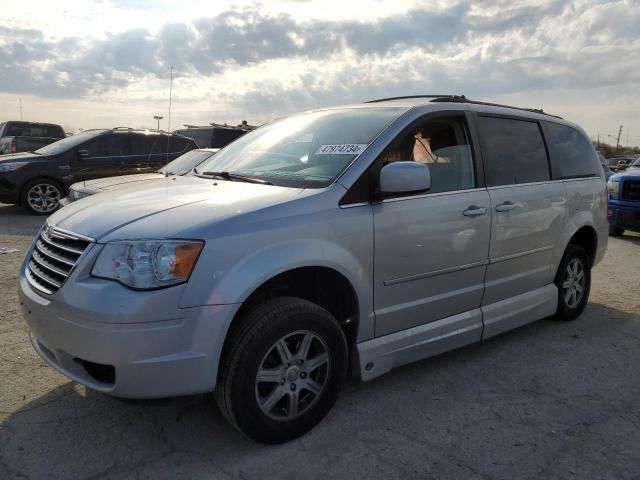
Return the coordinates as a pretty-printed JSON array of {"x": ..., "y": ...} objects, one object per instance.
[{"x": 549, "y": 400}]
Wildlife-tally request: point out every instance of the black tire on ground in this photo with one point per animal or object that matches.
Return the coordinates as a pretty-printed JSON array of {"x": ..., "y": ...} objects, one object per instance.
[
  {"x": 256, "y": 341},
  {"x": 42, "y": 196},
  {"x": 575, "y": 258},
  {"x": 615, "y": 231}
]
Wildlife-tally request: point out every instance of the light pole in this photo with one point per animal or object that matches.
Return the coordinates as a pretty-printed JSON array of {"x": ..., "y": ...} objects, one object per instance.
[{"x": 158, "y": 118}]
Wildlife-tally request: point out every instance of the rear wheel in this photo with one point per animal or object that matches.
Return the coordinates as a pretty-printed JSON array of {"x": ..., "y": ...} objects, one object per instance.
[
  {"x": 573, "y": 280},
  {"x": 42, "y": 197},
  {"x": 283, "y": 370},
  {"x": 615, "y": 231}
]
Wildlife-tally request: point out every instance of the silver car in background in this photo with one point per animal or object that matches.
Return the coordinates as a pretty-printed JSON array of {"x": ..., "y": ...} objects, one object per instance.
[
  {"x": 370, "y": 235},
  {"x": 180, "y": 166}
]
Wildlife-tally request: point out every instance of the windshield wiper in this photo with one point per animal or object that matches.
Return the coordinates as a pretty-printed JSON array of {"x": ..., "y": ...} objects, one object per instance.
[{"x": 235, "y": 176}]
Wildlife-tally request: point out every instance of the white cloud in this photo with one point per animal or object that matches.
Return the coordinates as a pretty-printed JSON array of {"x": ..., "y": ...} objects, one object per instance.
[{"x": 255, "y": 60}]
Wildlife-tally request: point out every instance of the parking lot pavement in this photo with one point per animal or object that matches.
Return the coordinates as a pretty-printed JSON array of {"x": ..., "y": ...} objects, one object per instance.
[{"x": 549, "y": 400}]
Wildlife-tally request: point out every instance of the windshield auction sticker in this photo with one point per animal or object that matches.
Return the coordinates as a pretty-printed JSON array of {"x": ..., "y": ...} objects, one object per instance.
[{"x": 343, "y": 149}]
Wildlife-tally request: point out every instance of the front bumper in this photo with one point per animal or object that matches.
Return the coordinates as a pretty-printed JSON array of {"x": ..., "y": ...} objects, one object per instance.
[
  {"x": 624, "y": 215},
  {"x": 126, "y": 343}
]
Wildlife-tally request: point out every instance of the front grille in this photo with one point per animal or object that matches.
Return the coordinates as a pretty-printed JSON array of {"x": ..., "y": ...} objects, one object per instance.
[
  {"x": 631, "y": 190},
  {"x": 53, "y": 257}
]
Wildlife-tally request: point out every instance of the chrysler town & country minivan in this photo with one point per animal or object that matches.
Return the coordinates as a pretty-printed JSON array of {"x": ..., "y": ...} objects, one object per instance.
[{"x": 370, "y": 236}]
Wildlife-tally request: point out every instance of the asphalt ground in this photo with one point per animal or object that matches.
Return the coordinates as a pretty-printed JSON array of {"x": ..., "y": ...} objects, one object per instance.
[{"x": 549, "y": 400}]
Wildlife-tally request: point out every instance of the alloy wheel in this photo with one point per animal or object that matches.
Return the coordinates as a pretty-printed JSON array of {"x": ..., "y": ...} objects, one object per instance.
[
  {"x": 292, "y": 375},
  {"x": 43, "y": 197},
  {"x": 573, "y": 285}
]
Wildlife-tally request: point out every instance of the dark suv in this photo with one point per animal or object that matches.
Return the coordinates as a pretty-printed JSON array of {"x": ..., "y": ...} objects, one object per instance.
[{"x": 38, "y": 180}]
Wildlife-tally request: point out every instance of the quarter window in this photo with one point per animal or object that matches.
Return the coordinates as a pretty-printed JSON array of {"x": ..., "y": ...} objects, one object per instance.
[
  {"x": 572, "y": 154},
  {"x": 514, "y": 151},
  {"x": 443, "y": 146}
]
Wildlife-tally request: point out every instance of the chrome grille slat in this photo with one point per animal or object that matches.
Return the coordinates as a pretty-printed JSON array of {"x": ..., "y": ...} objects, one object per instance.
[
  {"x": 54, "y": 256},
  {"x": 61, "y": 247},
  {"x": 37, "y": 257},
  {"x": 35, "y": 270},
  {"x": 45, "y": 251}
]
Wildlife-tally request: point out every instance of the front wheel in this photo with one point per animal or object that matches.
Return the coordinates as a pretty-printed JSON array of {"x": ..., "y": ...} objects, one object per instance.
[
  {"x": 42, "y": 197},
  {"x": 573, "y": 280},
  {"x": 283, "y": 370}
]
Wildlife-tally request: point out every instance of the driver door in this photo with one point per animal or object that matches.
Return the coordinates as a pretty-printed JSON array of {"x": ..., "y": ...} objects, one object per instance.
[{"x": 432, "y": 249}]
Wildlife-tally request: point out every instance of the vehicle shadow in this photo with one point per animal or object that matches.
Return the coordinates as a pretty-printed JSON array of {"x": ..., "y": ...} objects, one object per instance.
[
  {"x": 457, "y": 415},
  {"x": 16, "y": 221}
]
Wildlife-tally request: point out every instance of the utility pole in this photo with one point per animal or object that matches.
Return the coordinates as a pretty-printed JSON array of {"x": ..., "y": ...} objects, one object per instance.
[
  {"x": 20, "y": 108},
  {"x": 618, "y": 142},
  {"x": 170, "y": 92},
  {"x": 598, "y": 143}
]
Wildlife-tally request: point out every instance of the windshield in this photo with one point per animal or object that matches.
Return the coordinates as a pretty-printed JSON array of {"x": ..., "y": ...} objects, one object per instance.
[
  {"x": 67, "y": 143},
  {"x": 185, "y": 163},
  {"x": 636, "y": 163},
  {"x": 307, "y": 151}
]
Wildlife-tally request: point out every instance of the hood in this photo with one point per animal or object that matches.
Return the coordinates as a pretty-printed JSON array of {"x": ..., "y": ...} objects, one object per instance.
[
  {"x": 17, "y": 157},
  {"x": 166, "y": 199},
  {"x": 109, "y": 183},
  {"x": 629, "y": 172}
]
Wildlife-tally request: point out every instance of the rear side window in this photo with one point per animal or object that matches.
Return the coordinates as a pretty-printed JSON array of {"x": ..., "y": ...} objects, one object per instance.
[
  {"x": 202, "y": 136},
  {"x": 114, "y": 145},
  {"x": 147, "y": 144},
  {"x": 572, "y": 155},
  {"x": 177, "y": 144},
  {"x": 224, "y": 136},
  {"x": 25, "y": 129},
  {"x": 513, "y": 151}
]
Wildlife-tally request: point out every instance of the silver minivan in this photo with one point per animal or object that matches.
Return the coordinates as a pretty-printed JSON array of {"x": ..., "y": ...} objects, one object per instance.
[{"x": 357, "y": 238}]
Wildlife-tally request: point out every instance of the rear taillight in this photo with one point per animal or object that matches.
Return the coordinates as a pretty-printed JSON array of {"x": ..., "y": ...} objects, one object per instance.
[{"x": 13, "y": 148}]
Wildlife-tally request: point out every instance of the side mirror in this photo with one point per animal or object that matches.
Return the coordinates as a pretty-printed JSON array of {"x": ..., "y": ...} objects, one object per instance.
[
  {"x": 404, "y": 177},
  {"x": 82, "y": 154}
]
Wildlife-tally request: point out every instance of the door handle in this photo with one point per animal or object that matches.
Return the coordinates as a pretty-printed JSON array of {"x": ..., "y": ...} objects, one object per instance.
[
  {"x": 474, "y": 211},
  {"x": 506, "y": 206}
]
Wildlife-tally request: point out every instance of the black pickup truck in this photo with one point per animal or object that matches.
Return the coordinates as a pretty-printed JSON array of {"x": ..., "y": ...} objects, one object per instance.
[{"x": 18, "y": 137}]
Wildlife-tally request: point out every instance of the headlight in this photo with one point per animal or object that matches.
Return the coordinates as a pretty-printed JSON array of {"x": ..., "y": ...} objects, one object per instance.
[
  {"x": 11, "y": 166},
  {"x": 78, "y": 194},
  {"x": 148, "y": 264},
  {"x": 614, "y": 188}
]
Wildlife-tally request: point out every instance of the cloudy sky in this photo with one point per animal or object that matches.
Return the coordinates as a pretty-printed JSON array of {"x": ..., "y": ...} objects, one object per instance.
[{"x": 91, "y": 64}]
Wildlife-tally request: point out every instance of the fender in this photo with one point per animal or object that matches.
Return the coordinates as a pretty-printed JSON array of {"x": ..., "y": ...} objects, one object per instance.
[{"x": 234, "y": 285}]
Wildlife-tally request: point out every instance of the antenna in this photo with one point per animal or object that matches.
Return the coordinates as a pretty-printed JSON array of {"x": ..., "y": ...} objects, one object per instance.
[{"x": 169, "y": 119}]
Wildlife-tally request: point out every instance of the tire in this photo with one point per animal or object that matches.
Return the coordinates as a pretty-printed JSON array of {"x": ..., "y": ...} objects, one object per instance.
[
  {"x": 615, "y": 231},
  {"x": 574, "y": 273},
  {"x": 263, "y": 410},
  {"x": 42, "y": 196}
]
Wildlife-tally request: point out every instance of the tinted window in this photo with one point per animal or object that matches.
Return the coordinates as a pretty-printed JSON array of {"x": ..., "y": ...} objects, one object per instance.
[
  {"x": 202, "y": 136},
  {"x": 176, "y": 144},
  {"x": 224, "y": 136},
  {"x": 113, "y": 145},
  {"x": 25, "y": 129},
  {"x": 146, "y": 144},
  {"x": 441, "y": 144},
  {"x": 513, "y": 150},
  {"x": 572, "y": 155},
  {"x": 69, "y": 142}
]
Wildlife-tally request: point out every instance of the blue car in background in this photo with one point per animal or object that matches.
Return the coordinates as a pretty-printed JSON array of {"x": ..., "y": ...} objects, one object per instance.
[{"x": 624, "y": 200}]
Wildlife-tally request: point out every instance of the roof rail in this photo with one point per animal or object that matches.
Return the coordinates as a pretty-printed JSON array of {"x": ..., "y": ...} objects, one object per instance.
[
  {"x": 406, "y": 97},
  {"x": 463, "y": 99}
]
